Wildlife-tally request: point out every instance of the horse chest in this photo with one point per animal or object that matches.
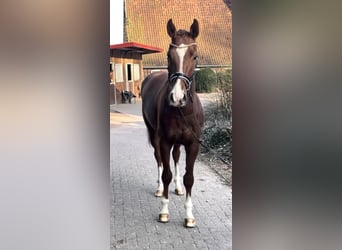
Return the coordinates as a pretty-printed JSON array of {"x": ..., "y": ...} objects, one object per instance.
[{"x": 176, "y": 131}]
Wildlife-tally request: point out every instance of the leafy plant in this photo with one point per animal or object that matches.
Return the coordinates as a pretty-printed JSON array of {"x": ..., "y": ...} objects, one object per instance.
[
  {"x": 205, "y": 81},
  {"x": 218, "y": 131},
  {"x": 225, "y": 90}
]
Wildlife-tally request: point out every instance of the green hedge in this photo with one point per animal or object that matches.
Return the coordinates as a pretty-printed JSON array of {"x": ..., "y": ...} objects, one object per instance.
[
  {"x": 206, "y": 81},
  {"x": 224, "y": 80}
]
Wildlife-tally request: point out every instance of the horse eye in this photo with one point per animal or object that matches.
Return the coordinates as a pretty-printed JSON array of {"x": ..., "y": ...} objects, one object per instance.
[{"x": 195, "y": 57}]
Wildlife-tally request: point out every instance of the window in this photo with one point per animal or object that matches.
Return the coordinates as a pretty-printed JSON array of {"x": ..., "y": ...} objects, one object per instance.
[
  {"x": 118, "y": 73},
  {"x": 136, "y": 72},
  {"x": 129, "y": 72}
]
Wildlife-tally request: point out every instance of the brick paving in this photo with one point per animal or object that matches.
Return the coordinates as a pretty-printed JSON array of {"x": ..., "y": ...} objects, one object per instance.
[{"x": 135, "y": 209}]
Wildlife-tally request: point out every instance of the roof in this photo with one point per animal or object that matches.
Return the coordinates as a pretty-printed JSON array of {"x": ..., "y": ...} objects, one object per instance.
[
  {"x": 146, "y": 23},
  {"x": 130, "y": 47}
]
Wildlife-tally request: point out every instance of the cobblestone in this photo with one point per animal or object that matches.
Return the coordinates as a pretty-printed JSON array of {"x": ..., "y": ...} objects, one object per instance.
[{"x": 135, "y": 209}]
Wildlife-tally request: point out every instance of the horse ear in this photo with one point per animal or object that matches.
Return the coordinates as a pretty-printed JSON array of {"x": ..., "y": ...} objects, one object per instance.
[
  {"x": 194, "y": 29},
  {"x": 171, "y": 29}
]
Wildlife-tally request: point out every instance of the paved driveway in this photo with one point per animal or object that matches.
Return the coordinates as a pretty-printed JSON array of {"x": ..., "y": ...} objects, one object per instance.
[{"x": 135, "y": 209}]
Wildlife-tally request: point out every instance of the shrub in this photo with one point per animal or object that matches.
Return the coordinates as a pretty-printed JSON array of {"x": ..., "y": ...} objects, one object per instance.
[
  {"x": 206, "y": 81},
  {"x": 224, "y": 82},
  {"x": 217, "y": 132}
]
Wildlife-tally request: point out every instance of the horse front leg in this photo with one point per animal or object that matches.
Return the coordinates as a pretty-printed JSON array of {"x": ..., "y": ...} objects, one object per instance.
[
  {"x": 188, "y": 179},
  {"x": 177, "y": 179},
  {"x": 166, "y": 177},
  {"x": 160, "y": 188}
]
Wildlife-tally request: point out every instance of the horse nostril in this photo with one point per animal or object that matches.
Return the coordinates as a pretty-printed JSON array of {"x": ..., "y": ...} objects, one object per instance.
[
  {"x": 184, "y": 99},
  {"x": 171, "y": 98}
]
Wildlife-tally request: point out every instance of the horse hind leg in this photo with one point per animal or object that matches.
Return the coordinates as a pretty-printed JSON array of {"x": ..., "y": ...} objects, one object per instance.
[
  {"x": 177, "y": 179},
  {"x": 166, "y": 177},
  {"x": 160, "y": 187},
  {"x": 155, "y": 143}
]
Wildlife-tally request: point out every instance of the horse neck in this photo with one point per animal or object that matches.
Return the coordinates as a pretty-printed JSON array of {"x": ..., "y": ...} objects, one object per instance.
[
  {"x": 189, "y": 108},
  {"x": 193, "y": 86}
]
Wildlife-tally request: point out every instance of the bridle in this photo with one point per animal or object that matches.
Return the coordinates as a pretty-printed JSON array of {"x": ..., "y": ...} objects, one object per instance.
[{"x": 179, "y": 75}]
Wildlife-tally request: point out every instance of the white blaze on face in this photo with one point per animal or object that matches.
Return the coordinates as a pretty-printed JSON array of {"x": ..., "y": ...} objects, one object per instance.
[
  {"x": 181, "y": 51},
  {"x": 177, "y": 91}
]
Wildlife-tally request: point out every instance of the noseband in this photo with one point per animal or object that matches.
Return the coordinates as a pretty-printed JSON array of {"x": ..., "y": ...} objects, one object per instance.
[
  {"x": 182, "y": 76},
  {"x": 179, "y": 75}
]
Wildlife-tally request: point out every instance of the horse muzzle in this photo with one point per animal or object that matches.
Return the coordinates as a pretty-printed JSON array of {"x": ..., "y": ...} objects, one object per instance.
[
  {"x": 178, "y": 94},
  {"x": 177, "y": 100}
]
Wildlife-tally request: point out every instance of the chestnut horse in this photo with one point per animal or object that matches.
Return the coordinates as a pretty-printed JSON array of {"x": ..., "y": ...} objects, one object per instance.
[{"x": 173, "y": 116}]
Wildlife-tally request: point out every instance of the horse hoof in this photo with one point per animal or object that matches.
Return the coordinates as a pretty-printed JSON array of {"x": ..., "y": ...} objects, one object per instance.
[
  {"x": 189, "y": 223},
  {"x": 179, "y": 192},
  {"x": 159, "y": 193},
  {"x": 163, "y": 218}
]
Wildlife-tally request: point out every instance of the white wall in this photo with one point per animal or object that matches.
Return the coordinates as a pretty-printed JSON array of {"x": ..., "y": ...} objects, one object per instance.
[{"x": 116, "y": 21}]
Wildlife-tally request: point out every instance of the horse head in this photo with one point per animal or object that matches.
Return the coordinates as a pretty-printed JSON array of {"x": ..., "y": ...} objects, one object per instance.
[{"x": 182, "y": 60}]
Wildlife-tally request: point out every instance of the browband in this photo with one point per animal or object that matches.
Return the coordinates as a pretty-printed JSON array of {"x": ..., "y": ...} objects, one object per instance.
[{"x": 183, "y": 45}]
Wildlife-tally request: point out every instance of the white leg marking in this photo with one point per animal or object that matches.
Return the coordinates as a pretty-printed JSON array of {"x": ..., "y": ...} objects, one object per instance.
[
  {"x": 165, "y": 206},
  {"x": 164, "y": 213},
  {"x": 188, "y": 208},
  {"x": 177, "y": 180},
  {"x": 160, "y": 181},
  {"x": 160, "y": 187}
]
